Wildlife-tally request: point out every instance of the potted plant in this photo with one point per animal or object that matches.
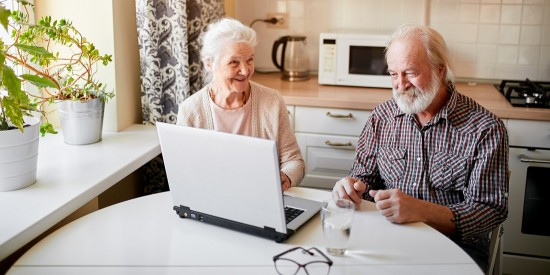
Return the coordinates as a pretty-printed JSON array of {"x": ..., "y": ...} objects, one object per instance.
[{"x": 53, "y": 56}]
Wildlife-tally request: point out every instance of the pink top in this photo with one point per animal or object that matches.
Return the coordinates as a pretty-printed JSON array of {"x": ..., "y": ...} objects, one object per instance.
[{"x": 237, "y": 121}]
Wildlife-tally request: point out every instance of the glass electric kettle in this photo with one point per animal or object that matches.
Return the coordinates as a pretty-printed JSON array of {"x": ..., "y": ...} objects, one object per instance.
[{"x": 294, "y": 58}]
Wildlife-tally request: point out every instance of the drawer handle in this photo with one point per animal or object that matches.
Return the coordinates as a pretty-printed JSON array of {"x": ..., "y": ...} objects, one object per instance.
[
  {"x": 338, "y": 144},
  {"x": 524, "y": 158},
  {"x": 339, "y": 116}
]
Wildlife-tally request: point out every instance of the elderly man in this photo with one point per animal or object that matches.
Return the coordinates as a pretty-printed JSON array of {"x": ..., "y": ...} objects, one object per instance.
[{"x": 431, "y": 154}]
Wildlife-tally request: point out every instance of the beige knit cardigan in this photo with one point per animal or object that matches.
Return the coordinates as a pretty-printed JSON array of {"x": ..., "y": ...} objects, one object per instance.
[{"x": 269, "y": 121}]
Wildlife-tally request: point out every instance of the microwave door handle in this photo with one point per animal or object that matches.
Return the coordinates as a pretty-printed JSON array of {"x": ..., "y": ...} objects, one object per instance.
[{"x": 524, "y": 158}]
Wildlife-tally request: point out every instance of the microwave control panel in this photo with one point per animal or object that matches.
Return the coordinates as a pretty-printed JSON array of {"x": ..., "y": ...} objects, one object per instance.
[{"x": 327, "y": 59}]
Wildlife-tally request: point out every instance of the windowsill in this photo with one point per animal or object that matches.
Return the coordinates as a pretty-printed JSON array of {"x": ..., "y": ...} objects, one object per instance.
[{"x": 69, "y": 177}]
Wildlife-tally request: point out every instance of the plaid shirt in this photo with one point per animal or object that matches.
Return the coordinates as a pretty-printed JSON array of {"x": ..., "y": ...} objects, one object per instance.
[{"x": 459, "y": 159}]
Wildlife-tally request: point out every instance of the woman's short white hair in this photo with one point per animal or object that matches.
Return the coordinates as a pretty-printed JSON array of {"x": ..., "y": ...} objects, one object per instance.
[
  {"x": 220, "y": 34},
  {"x": 434, "y": 44}
]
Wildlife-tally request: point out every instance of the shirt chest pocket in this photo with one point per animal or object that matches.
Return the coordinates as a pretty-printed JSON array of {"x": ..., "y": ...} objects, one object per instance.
[
  {"x": 391, "y": 163},
  {"x": 448, "y": 172}
]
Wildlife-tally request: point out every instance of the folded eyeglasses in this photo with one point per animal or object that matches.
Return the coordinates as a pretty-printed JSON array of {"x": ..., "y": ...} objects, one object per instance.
[{"x": 286, "y": 266}]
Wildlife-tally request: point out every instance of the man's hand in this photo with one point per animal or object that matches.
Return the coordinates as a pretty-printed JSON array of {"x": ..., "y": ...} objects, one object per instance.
[
  {"x": 397, "y": 206},
  {"x": 349, "y": 188}
]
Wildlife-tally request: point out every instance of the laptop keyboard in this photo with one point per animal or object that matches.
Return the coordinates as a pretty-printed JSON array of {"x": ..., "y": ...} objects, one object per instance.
[{"x": 291, "y": 213}]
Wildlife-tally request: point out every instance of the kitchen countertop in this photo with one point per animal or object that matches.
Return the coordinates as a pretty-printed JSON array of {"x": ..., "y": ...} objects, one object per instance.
[{"x": 310, "y": 93}]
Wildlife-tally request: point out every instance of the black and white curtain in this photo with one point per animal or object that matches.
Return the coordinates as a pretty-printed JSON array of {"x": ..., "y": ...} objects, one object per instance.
[{"x": 171, "y": 71}]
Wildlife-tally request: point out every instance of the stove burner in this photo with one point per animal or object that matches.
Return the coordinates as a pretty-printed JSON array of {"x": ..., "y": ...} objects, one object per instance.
[{"x": 526, "y": 93}]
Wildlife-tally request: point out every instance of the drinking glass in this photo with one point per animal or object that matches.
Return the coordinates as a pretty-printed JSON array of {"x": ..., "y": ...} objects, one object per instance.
[{"x": 337, "y": 218}]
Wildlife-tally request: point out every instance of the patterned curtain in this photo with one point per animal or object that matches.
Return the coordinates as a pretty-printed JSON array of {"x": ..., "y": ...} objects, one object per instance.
[{"x": 171, "y": 71}]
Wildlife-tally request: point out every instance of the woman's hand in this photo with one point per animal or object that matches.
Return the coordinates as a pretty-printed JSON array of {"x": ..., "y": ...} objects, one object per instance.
[{"x": 285, "y": 181}]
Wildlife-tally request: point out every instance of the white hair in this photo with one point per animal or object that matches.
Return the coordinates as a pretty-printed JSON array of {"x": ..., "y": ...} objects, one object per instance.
[
  {"x": 218, "y": 36},
  {"x": 434, "y": 45}
]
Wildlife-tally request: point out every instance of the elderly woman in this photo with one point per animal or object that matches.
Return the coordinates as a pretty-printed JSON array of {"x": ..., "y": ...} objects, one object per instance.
[{"x": 232, "y": 103}]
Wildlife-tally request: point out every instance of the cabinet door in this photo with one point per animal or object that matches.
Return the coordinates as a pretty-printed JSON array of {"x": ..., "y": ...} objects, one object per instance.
[
  {"x": 330, "y": 121},
  {"x": 328, "y": 158}
]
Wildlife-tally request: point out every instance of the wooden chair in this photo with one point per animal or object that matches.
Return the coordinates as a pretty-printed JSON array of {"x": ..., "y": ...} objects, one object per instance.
[{"x": 495, "y": 252}]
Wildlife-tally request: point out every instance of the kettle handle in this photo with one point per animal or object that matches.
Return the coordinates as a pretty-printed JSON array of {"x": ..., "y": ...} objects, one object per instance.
[{"x": 276, "y": 44}]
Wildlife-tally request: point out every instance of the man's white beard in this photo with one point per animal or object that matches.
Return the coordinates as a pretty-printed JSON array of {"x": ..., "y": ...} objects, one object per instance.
[{"x": 414, "y": 100}]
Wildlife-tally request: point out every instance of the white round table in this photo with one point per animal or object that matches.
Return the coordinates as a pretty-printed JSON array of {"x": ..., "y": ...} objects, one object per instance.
[{"x": 145, "y": 236}]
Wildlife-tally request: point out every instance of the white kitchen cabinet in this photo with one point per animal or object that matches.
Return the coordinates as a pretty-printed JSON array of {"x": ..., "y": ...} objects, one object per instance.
[
  {"x": 327, "y": 138},
  {"x": 528, "y": 133}
]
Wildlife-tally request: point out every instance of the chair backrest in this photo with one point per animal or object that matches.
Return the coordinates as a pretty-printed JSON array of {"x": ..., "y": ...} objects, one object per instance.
[{"x": 495, "y": 251}]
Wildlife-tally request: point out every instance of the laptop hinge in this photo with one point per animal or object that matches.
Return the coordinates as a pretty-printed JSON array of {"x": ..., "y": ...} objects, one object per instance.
[
  {"x": 270, "y": 233},
  {"x": 266, "y": 232}
]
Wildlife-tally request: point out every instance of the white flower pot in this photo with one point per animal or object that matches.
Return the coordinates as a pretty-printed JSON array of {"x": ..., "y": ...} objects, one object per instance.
[
  {"x": 19, "y": 156},
  {"x": 81, "y": 122}
]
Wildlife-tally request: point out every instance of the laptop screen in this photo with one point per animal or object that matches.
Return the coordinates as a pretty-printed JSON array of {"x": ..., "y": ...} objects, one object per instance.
[{"x": 225, "y": 175}]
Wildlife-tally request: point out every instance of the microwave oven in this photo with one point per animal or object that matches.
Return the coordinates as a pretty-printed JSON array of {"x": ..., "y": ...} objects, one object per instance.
[{"x": 353, "y": 59}]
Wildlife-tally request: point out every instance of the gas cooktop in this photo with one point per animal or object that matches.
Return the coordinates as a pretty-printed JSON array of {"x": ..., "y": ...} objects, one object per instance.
[{"x": 526, "y": 93}]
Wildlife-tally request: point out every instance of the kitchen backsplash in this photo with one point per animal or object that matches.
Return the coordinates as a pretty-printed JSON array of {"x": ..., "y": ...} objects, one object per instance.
[{"x": 488, "y": 39}]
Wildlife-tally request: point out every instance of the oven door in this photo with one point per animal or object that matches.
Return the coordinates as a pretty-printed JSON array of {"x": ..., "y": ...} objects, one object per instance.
[{"x": 527, "y": 229}]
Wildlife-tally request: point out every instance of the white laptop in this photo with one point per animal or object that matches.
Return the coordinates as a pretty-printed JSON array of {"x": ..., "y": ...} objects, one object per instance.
[{"x": 229, "y": 180}]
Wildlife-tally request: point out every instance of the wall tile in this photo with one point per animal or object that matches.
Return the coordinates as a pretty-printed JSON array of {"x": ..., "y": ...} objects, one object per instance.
[
  {"x": 527, "y": 71},
  {"x": 488, "y": 34},
  {"x": 506, "y": 72},
  {"x": 489, "y": 14},
  {"x": 530, "y": 35},
  {"x": 469, "y": 13},
  {"x": 445, "y": 12},
  {"x": 465, "y": 70},
  {"x": 465, "y": 53},
  {"x": 485, "y": 71},
  {"x": 533, "y": 15},
  {"x": 544, "y": 73},
  {"x": 507, "y": 55},
  {"x": 529, "y": 55},
  {"x": 546, "y": 35},
  {"x": 296, "y": 9},
  {"x": 509, "y": 34},
  {"x": 510, "y": 14},
  {"x": 490, "y": 39},
  {"x": 486, "y": 54},
  {"x": 545, "y": 56}
]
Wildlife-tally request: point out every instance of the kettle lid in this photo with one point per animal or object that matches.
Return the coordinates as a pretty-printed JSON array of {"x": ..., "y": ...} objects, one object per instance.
[{"x": 296, "y": 38}]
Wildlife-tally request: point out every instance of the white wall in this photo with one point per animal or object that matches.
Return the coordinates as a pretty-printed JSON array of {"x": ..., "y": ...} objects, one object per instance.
[{"x": 488, "y": 39}]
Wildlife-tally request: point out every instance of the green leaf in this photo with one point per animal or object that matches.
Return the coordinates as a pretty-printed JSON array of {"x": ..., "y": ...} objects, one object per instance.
[
  {"x": 47, "y": 128},
  {"x": 13, "y": 112},
  {"x": 40, "y": 82},
  {"x": 13, "y": 84},
  {"x": 16, "y": 99},
  {"x": 4, "y": 16},
  {"x": 34, "y": 50}
]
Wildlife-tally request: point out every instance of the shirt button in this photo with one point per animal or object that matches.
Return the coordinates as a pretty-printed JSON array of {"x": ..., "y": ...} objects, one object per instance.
[
  {"x": 418, "y": 158},
  {"x": 414, "y": 184}
]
